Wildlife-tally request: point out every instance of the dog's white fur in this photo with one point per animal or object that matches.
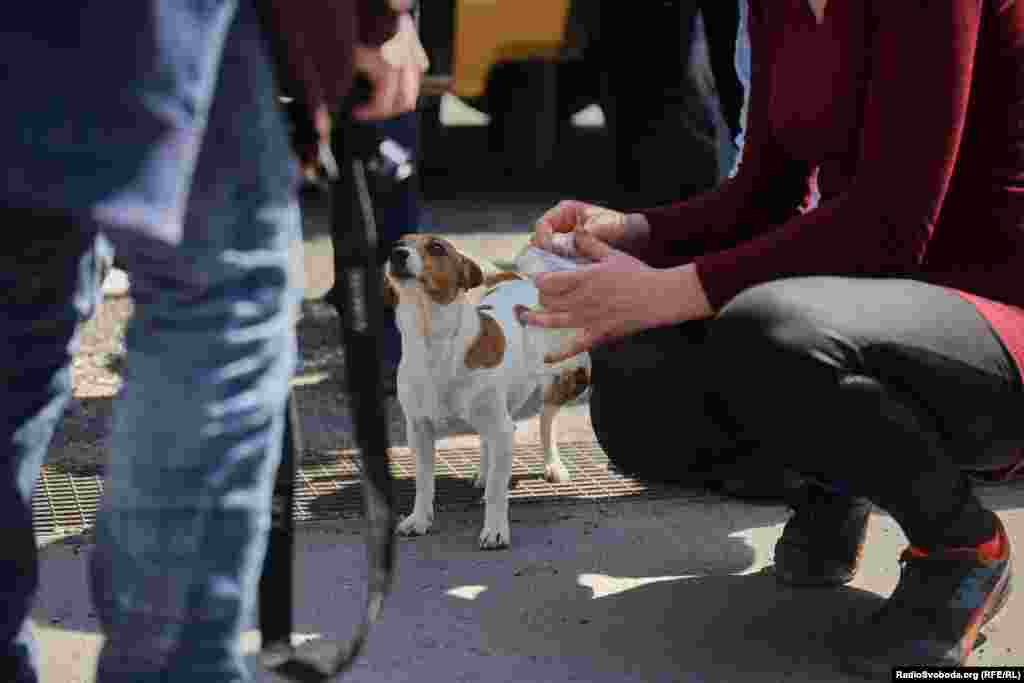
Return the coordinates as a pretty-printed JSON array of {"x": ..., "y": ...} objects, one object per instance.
[{"x": 443, "y": 332}]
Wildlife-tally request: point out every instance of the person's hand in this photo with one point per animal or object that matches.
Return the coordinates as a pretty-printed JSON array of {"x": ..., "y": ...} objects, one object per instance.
[
  {"x": 617, "y": 296},
  {"x": 395, "y": 70},
  {"x": 625, "y": 232}
]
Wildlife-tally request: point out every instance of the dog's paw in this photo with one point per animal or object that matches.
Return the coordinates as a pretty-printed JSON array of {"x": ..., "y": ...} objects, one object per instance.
[
  {"x": 415, "y": 525},
  {"x": 495, "y": 537},
  {"x": 556, "y": 473}
]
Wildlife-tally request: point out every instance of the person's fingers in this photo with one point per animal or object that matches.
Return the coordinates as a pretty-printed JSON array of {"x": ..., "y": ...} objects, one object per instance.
[
  {"x": 543, "y": 234},
  {"x": 558, "y": 283},
  {"x": 410, "y": 89},
  {"x": 540, "y": 237},
  {"x": 589, "y": 246},
  {"x": 580, "y": 344},
  {"x": 545, "y": 319},
  {"x": 563, "y": 216},
  {"x": 572, "y": 303},
  {"x": 420, "y": 58},
  {"x": 605, "y": 224},
  {"x": 386, "y": 83}
]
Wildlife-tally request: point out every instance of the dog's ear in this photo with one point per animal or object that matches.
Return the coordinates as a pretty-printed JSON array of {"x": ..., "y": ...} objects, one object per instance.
[
  {"x": 390, "y": 292},
  {"x": 472, "y": 274}
]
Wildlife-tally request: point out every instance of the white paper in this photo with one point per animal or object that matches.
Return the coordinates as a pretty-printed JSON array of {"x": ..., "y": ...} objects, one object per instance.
[{"x": 533, "y": 261}]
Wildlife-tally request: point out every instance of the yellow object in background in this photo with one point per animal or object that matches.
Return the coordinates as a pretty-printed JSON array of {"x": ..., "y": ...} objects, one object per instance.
[{"x": 492, "y": 31}]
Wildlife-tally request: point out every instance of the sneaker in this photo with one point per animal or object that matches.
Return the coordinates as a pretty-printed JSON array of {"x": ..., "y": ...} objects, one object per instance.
[
  {"x": 934, "y": 615},
  {"x": 822, "y": 543}
]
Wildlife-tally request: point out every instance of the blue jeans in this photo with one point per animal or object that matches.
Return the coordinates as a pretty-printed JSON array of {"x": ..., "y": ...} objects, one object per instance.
[
  {"x": 743, "y": 72},
  {"x": 181, "y": 532}
]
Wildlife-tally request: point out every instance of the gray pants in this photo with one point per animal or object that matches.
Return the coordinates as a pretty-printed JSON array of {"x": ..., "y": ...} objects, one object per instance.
[{"x": 887, "y": 389}]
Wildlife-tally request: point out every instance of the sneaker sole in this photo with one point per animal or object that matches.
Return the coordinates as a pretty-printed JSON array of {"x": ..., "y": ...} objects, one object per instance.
[{"x": 999, "y": 596}]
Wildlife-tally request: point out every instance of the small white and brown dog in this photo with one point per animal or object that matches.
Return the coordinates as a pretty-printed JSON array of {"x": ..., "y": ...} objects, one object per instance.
[{"x": 474, "y": 362}]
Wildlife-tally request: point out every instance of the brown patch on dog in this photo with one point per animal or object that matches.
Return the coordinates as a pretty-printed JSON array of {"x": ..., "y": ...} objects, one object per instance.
[
  {"x": 390, "y": 292},
  {"x": 446, "y": 272},
  {"x": 488, "y": 348},
  {"x": 569, "y": 385}
]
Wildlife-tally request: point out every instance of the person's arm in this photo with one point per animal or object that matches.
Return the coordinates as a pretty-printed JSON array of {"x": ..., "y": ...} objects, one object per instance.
[
  {"x": 768, "y": 189},
  {"x": 923, "y": 58},
  {"x": 378, "y": 19},
  {"x": 316, "y": 46},
  {"x": 313, "y": 43}
]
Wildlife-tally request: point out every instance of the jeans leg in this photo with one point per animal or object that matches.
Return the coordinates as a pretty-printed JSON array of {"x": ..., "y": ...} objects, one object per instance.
[
  {"x": 198, "y": 426},
  {"x": 50, "y": 287}
]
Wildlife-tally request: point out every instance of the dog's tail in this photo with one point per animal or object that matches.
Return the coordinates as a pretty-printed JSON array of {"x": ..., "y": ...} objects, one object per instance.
[{"x": 493, "y": 279}]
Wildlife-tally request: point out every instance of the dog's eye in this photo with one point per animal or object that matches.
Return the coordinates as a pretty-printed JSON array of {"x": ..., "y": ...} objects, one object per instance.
[{"x": 436, "y": 249}]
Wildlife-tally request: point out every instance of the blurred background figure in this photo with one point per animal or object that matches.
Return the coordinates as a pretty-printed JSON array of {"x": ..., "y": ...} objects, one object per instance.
[
  {"x": 666, "y": 78},
  {"x": 398, "y": 211}
]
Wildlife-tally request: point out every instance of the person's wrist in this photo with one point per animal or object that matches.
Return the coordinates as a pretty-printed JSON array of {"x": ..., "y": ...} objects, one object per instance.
[
  {"x": 685, "y": 298},
  {"x": 637, "y": 230}
]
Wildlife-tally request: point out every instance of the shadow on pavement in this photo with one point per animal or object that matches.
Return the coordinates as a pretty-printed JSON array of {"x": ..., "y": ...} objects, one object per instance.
[
  {"x": 637, "y": 591},
  {"x": 588, "y": 597}
]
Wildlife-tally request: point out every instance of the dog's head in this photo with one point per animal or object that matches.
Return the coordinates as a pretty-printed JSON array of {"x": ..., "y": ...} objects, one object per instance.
[{"x": 437, "y": 267}]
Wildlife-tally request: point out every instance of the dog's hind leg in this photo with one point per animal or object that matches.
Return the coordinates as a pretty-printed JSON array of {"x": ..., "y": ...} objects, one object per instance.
[
  {"x": 558, "y": 391},
  {"x": 554, "y": 469},
  {"x": 421, "y": 436}
]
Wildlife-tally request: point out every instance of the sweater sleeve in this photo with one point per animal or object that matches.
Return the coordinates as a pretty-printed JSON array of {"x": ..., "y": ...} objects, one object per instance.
[
  {"x": 922, "y": 57},
  {"x": 768, "y": 188},
  {"x": 378, "y": 19}
]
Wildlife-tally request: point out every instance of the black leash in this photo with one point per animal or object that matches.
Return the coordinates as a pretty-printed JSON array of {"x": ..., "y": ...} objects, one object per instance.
[{"x": 358, "y": 297}]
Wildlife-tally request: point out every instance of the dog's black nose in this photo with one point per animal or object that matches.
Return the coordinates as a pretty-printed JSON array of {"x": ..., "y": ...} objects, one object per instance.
[{"x": 400, "y": 262}]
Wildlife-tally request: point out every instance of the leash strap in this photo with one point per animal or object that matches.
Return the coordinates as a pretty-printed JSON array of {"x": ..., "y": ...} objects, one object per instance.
[{"x": 358, "y": 297}]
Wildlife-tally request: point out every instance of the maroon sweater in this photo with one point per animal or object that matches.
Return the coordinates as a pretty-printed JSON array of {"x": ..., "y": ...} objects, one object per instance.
[{"x": 909, "y": 114}]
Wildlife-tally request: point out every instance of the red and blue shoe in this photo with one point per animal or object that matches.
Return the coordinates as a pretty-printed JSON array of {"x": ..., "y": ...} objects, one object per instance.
[{"x": 934, "y": 616}]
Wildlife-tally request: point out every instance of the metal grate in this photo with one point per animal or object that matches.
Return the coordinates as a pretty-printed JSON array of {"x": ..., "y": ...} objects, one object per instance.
[
  {"x": 64, "y": 502},
  {"x": 328, "y": 485}
]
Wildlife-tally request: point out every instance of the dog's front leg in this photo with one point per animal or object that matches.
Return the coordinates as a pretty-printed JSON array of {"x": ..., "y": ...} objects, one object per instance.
[
  {"x": 481, "y": 475},
  {"x": 421, "y": 437},
  {"x": 499, "y": 440}
]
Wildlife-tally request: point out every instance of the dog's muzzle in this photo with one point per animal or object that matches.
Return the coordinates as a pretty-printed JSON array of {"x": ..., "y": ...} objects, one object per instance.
[{"x": 399, "y": 262}]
